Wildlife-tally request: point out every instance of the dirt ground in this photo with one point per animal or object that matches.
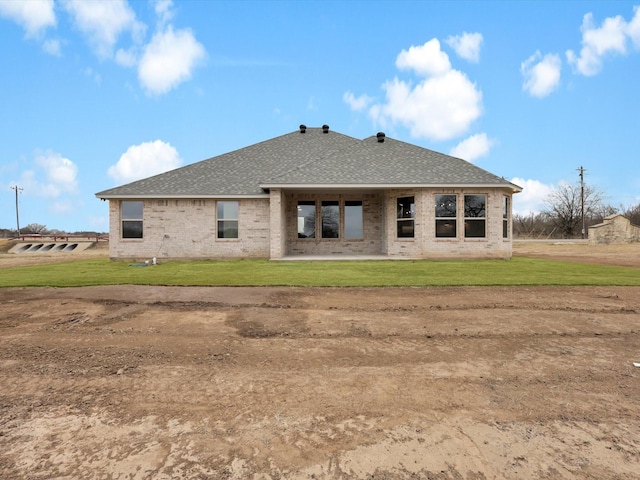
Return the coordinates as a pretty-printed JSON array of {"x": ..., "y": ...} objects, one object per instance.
[{"x": 318, "y": 383}]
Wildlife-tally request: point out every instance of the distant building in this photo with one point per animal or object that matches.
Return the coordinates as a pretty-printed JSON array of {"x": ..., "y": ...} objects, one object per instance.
[
  {"x": 615, "y": 229},
  {"x": 315, "y": 192}
]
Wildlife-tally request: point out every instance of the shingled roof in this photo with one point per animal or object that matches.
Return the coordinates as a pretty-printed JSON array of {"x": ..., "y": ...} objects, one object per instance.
[{"x": 319, "y": 157}]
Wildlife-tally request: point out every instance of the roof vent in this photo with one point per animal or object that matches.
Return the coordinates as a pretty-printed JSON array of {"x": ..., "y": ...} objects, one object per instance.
[
  {"x": 380, "y": 137},
  {"x": 325, "y": 128},
  {"x": 303, "y": 128}
]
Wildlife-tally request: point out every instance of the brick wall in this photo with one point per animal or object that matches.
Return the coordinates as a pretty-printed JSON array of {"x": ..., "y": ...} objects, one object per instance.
[
  {"x": 184, "y": 228},
  {"x": 278, "y": 222},
  {"x": 426, "y": 245},
  {"x": 370, "y": 244}
]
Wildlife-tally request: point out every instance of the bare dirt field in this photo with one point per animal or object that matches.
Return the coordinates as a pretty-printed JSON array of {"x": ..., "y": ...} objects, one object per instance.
[
  {"x": 624, "y": 255},
  {"x": 319, "y": 383}
]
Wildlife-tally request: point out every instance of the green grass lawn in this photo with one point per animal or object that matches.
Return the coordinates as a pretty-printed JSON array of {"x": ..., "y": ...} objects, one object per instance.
[{"x": 517, "y": 271}]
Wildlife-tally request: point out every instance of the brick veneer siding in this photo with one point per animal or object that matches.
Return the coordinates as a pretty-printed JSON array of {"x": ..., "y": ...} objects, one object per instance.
[
  {"x": 379, "y": 212},
  {"x": 278, "y": 222},
  {"x": 186, "y": 229},
  {"x": 370, "y": 244},
  {"x": 425, "y": 245}
]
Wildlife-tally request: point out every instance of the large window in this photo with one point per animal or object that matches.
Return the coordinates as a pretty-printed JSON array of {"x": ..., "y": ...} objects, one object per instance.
[
  {"x": 405, "y": 217},
  {"x": 306, "y": 219},
  {"x": 131, "y": 213},
  {"x": 353, "y": 224},
  {"x": 446, "y": 213},
  {"x": 330, "y": 219},
  {"x": 475, "y": 208},
  {"x": 227, "y": 215},
  {"x": 505, "y": 217}
]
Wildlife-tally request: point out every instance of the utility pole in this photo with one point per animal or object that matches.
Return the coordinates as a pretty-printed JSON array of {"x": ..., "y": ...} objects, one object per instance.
[
  {"x": 581, "y": 170},
  {"x": 18, "y": 190}
]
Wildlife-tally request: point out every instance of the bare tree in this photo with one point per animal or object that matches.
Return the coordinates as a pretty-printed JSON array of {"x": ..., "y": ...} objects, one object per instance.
[
  {"x": 532, "y": 225},
  {"x": 632, "y": 212},
  {"x": 35, "y": 229},
  {"x": 564, "y": 207}
]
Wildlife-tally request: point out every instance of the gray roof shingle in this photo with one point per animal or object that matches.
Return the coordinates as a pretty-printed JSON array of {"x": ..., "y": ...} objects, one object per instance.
[{"x": 311, "y": 158}]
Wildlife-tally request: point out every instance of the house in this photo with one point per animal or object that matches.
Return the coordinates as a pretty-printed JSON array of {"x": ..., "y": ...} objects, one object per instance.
[
  {"x": 315, "y": 192},
  {"x": 614, "y": 229}
]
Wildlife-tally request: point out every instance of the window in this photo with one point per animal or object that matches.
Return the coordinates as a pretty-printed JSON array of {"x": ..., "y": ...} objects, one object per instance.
[
  {"x": 353, "y": 224},
  {"x": 406, "y": 213},
  {"x": 446, "y": 213},
  {"x": 333, "y": 218},
  {"x": 227, "y": 214},
  {"x": 474, "y": 216},
  {"x": 505, "y": 217},
  {"x": 131, "y": 219},
  {"x": 306, "y": 219},
  {"x": 330, "y": 219}
]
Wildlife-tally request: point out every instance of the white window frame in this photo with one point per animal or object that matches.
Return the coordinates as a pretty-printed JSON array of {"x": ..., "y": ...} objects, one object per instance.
[
  {"x": 344, "y": 218},
  {"x": 453, "y": 219},
  {"x": 223, "y": 219},
  {"x": 124, "y": 219},
  {"x": 401, "y": 218},
  {"x": 475, "y": 219},
  {"x": 506, "y": 231}
]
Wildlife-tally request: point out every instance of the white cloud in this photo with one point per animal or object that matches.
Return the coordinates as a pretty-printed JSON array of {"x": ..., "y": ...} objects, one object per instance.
[
  {"x": 53, "y": 177},
  {"x": 60, "y": 171},
  {"x": 472, "y": 148},
  {"x": 52, "y": 47},
  {"x": 532, "y": 197},
  {"x": 633, "y": 28},
  {"x": 425, "y": 59},
  {"x": 163, "y": 63},
  {"x": 33, "y": 15},
  {"x": 541, "y": 74},
  {"x": 103, "y": 21},
  {"x": 597, "y": 42},
  {"x": 144, "y": 160},
  {"x": 466, "y": 46},
  {"x": 163, "y": 11},
  {"x": 169, "y": 60},
  {"x": 357, "y": 103},
  {"x": 126, "y": 58},
  {"x": 440, "y": 106}
]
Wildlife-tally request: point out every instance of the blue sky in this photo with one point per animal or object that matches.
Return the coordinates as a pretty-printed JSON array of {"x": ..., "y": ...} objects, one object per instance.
[{"x": 96, "y": 94}]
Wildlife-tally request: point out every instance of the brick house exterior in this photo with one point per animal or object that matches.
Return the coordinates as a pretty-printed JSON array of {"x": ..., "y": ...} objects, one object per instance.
[{"x": 315, "y": 192}]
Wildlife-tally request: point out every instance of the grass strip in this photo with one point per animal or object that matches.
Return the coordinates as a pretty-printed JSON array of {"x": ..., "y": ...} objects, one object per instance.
[{"x": 515, "y": 272}]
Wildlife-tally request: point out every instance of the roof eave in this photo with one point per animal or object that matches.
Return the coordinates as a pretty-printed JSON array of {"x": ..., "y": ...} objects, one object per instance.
[
  {"x": 386, "y": 186},
  {"x": 172, "y": 197}
]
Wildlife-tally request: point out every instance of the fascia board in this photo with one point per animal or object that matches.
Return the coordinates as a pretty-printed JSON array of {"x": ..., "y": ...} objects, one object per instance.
[
  {"x": 175, "y": 197},
  {"x": 378, "y": 186}
]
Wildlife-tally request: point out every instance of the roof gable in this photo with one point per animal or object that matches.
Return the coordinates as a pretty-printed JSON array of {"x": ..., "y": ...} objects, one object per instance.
[
  {"x": 317, "y": 157},
  {"x": 239, "y": 172},
  {"x": 389, "y": 162}
]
